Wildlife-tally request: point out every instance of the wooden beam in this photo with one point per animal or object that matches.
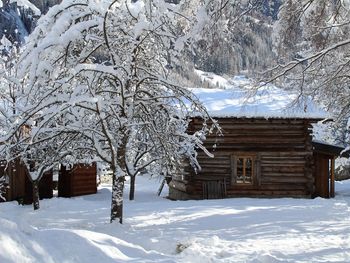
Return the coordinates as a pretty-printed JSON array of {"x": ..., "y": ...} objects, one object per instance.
[
  {"x": 332, "y": 187},
  {"x": 233, "y": 169}
]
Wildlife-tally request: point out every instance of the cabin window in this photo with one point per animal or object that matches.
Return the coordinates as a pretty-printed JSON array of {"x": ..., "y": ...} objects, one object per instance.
[{"x": 243, "y": 169}]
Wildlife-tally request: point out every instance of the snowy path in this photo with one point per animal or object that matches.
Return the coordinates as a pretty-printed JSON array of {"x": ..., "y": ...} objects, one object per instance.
[{"x": 156, "y": 229}]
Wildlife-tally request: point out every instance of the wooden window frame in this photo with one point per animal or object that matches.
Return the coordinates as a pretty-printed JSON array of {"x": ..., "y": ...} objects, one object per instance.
[{"x": 255, "y": 178}]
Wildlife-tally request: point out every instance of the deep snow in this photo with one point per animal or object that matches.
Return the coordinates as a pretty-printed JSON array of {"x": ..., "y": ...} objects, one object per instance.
[{"x": 159, "y": 230}]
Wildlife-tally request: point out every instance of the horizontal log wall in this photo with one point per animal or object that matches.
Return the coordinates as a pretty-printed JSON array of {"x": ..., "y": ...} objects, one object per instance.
[
  {"x": 282, "y": 153},
  {"x": 18, "y": 185},
  {"x": 80, "y": 180}
]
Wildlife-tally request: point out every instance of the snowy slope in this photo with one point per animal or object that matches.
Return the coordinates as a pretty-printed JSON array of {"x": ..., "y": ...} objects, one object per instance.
[
  {"x": 237, "y": 97},
  {"x": 160, "y": 230}
]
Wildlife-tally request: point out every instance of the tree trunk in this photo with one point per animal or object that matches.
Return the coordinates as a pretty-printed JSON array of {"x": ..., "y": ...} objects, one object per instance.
[
  {"x": 117, "y": 198},
  {"x": 118, "y": 181},
  {"x": 132, "y": 187},
  {"x": 36, "y": 204}
]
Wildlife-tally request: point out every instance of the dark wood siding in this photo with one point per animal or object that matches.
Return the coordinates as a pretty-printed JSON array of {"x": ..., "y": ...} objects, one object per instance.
[
  {"x": 321, "y": 174},
  {"x": 80, "y": 180},
  {"x": 19, "y": 185},
  {"x": 283, "y": 158},
  {"x": 45, "y": 188}
]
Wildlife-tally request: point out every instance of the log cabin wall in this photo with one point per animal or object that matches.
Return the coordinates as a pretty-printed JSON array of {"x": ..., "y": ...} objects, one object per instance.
[
  {"x": 19, "y": 187},
  {"x": 80, "y": 180},
  {"x": 16, "y": 180},
  {"x": 254, "y": 157},
  {"x": 45, "y": 188}
]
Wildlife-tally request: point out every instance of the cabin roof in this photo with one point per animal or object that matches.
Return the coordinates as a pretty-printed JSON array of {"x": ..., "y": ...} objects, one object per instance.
[
  {"x": 330, "y": 149},
  {"x": 237, "y": 97}
]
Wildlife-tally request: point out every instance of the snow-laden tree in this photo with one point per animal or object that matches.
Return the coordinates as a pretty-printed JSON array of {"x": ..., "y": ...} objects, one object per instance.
[
  {"x": 10, "y": 95},
  {"x": 313, "y": 50},
  {"x": 29, "y": 136},
  {"x": 313, "y": 47},
  {"x": 238, "y": 37},
  {"x": 101, "y": 68},
  {"x": 2, "y": 188}
]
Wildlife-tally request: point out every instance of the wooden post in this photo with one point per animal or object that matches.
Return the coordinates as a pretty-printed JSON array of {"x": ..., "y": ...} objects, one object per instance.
[
  {"x": 332, "y": 187},
  {"x": 161, "y": 187},
  {"x": 233, "y": 161}
]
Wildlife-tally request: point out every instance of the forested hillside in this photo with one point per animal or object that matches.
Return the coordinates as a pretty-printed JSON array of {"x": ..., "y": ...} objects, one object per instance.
[{"x": 239, "y": 41}]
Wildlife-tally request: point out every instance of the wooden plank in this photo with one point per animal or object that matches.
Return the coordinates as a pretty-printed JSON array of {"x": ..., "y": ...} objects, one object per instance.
[
  {"x": 292, "y": 174},
  {"x": 274, "y": 157},
  {"x": 205, "y": 166},
  {"x": 236, "y": 130},
  {"x": 215, "y": 159},
  {"x": 269, "y": 193},
  {"x": 284, "y": 179},
  {"x": 283, "y": 163},
  {"x": 233, "y": 169},
  {"x": 282, "y": 169},
  {"x": 83, "y": 179},
  {"x": 298, "y": 154},
  {"x": 332, "y": 179},
  {"x": 284, "y": 187},
  {"x": 257, "y": 147},
  {"x": 86, "y": 188},
  {"x": 258, "y": 139},
  {"x": 262, "y": 149},
  {"x": 83, "y": 192},
  {"x": 240, "y": 133},
  {"x": 211, "y": 177},
  {"x": 214, "y": 172}
]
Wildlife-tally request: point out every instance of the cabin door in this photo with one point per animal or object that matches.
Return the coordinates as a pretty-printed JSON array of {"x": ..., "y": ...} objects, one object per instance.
[
  {"x": 215, "y": 189},
  {"x": 321, "y": 174}
]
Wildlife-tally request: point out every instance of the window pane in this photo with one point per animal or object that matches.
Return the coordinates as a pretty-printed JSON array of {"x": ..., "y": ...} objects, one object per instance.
[
  {"x": 249, "y": 170},
  {"x": 240, "y": 170},
  {"x": 244, "y": 170}
]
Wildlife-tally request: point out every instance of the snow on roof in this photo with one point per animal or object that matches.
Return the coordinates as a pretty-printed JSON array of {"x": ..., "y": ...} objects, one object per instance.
[{"x": 237, "y": 97}]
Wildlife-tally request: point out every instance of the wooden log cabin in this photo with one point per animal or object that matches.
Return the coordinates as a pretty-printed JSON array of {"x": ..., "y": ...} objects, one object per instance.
[
  {"x": 265, "y": 150},
  {"x": 18, "y": 185},
  {"x": 80, "y": 180}
]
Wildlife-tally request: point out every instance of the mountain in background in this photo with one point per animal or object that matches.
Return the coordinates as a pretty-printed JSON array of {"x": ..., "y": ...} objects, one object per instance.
[{"x": 16, "y": 22}]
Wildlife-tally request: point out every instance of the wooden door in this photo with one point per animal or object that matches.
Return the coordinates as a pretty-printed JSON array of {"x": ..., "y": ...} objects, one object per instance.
[
  {"x": 321, "y": 175},
  {"x": 214, "y": 189}
]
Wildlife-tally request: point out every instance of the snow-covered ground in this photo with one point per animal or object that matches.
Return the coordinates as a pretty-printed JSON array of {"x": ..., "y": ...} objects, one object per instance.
[{"x": 160, "y": 230}]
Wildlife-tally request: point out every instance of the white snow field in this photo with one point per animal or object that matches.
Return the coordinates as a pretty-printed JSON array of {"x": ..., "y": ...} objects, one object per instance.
[{"x": 156, "y": 229}]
